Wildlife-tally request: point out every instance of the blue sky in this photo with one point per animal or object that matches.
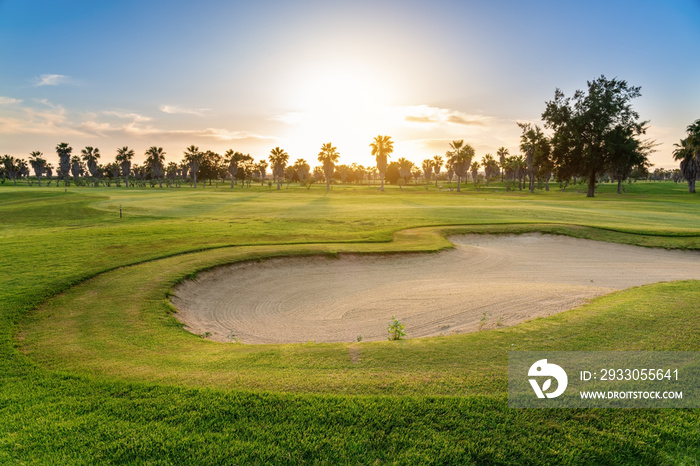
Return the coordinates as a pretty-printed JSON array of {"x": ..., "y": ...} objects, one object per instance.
[{"x": 254, "y": 75}]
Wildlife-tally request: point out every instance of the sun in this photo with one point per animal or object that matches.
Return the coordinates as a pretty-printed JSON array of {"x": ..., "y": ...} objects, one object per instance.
[{"x": 342, "y": 103}]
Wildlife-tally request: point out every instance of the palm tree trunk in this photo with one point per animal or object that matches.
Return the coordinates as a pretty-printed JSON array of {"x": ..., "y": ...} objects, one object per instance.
[
  {"x": 382, "y": 175},
  {"x": 194, "y": 177},
  {"x": 459, "y": 178},
  {"x": 619, "y": 186},
  {"x": 126, "y": 180},
  {"x": 231, "y": 181}
]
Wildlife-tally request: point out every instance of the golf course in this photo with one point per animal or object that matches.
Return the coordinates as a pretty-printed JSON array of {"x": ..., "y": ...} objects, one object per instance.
[{"x": 108, "y": 354}]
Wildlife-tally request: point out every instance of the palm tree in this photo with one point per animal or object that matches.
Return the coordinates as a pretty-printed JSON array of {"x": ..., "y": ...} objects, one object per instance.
[
  {"x": 193, "y": 158},
  {"x": 64, "y": 152},
  {"x": 328, "y": 156},
  {"x": 382, "y": 147},
  {"x": 475, "y": 171},
  {"x": 437, "y": 166},
  {"x": 261, "y": 166},
  {"x": 490, "y": 167},
  {"x": 405, "y": 167},
  {"x": 689, "y": 163},
  {"x": 232, "y": 157},
  {"x": 502, "y": 153},
  {"x": 302, "y": 168},
  {"x": 124, "y": 156},
  {"x": 90, "y": 157},
  {"x": 155, "y": 161},
  {"x": 694, "y": 139},
  {"x": 38, "y": 163},
  {"x": 427, "y": 167},
  {"x": 76, "y": 167},
  {"x": 461, "y": 157},
  {"x": 278, "y": 159}
]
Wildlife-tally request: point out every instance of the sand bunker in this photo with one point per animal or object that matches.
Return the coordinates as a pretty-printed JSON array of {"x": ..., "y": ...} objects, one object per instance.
[{"x": 510, "y": 278}]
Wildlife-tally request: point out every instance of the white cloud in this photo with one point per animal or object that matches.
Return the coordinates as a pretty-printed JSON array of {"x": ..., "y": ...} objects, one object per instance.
[
  {"x": 176, "y": 109},
  {"x": 127, "y": 115},
  {"x": 51, "y": 80},
  {"x": 9, "y": 100},
  {"x": 424, "y": 114}
]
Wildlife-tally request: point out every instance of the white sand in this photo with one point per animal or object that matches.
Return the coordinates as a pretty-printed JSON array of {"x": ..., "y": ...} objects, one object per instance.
[{"x": 511, "y": 278}]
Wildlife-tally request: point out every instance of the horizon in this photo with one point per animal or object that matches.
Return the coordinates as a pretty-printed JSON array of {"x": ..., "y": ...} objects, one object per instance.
[{"x": 254, "y": 77}]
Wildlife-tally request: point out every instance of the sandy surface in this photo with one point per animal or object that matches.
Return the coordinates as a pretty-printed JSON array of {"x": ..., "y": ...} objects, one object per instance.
[{"x": 510, "y": 278}]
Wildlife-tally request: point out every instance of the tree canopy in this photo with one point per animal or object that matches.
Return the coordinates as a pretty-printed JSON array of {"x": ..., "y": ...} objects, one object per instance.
[{"x": 588, "y": 126}]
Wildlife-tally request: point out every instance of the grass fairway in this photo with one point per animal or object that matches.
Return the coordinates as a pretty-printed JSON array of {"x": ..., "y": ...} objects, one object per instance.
[{"x": 94, "y": 368}]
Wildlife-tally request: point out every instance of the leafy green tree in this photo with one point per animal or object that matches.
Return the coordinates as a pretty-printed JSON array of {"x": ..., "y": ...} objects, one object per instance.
[
  {"x": 328, "y": 156},
  {"x": 124, "y": 157},
  {"x": 155, "y": 163},
  {"x": 343, "y": 173},
  {"x": 437, "y": 166},
  {"x": 193, "y": 159},
  {"x": 278, "y": 160},
  {"x": 627, "y": 152},
  {"x": 212, "y": 166},
  {"x": 382, "y": 148},
  {"x": 64, "y": 154},
  {"x": 11, "y": 167},
  {"x": 38, "y": 163},
  {"x": 391, "y": 174},
  {"x": 584, "y": 124}
]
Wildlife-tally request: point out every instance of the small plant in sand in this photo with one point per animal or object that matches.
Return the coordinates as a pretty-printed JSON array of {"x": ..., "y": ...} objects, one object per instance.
[
  {"x": 499, "y": 322},
  {"x": 483, "y": 320},
  {"x": 359, "y": 338},
  {"x": 395, "y": 329}
]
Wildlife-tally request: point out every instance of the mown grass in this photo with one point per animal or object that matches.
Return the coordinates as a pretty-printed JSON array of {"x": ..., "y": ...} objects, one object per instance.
[{"x": 121, "y": 383}]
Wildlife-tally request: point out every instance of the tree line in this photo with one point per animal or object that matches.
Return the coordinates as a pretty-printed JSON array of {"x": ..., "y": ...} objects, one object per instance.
[{"x": 596, "y": 135}]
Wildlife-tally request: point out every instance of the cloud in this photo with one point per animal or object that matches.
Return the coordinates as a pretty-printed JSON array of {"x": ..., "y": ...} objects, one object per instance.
[
  {"x": 176, "y": 109},
  {"x": 424, "y": 114},
  {"x": 47, "y": 119},
  {"x": 134, "y": 129},
  {"x": 291, "y": 118},
  {"x": 9, "y": 100},
  {"x": 127, "y": 115},
  {"x": 51, "y": 80}
]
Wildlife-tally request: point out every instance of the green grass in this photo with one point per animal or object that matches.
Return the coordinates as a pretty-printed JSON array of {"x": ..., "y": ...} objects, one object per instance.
[{"x": 94, "y": 369}]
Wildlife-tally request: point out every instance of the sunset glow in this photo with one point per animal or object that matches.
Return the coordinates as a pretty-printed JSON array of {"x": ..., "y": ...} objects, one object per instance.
[{"x": 250, "y": 78}]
